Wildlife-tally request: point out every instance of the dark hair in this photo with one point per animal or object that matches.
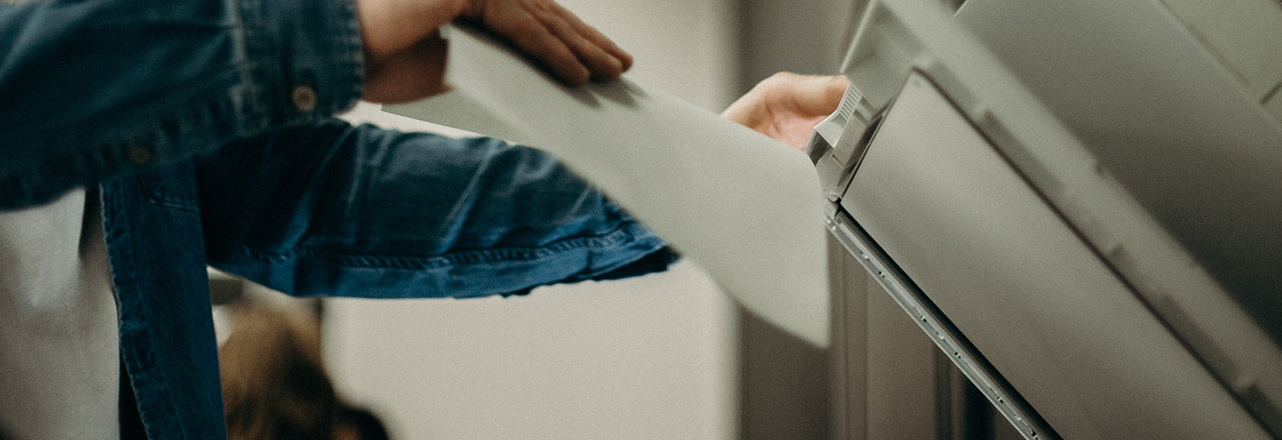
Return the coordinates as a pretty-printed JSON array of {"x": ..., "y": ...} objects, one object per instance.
[
  {"x": 275, "y": 386},
  {"x": 358, "y": 424}
]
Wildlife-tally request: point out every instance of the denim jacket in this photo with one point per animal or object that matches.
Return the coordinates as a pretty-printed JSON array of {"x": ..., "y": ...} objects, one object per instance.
[{"x": 205, "y": 124}]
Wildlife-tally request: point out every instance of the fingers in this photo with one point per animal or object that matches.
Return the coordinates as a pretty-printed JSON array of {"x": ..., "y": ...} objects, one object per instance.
[
  {"x": 538, "y": 41},
  {"x": 601, "y": 64},
  {"x": 805, "y": 95},
  {"x": 594, "y": 36},
  {"x": 787, "y": 106},
  {"x": 819, "y": 95},
  {"x": 568, "y": 48},
  {"x": 750, "y": 111}
]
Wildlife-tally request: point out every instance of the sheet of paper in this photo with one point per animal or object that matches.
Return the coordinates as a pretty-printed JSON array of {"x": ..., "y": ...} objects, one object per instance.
[{"x": 742, "y": 206}]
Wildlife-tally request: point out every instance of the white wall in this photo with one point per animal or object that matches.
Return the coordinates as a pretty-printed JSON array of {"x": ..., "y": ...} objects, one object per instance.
[{"x": 646, "y": 358}]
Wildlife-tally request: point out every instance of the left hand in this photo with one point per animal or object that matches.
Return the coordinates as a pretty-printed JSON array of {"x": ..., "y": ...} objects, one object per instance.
[
  {"x": 787, "y": 106},
  {"x": 405, "y": 55}
]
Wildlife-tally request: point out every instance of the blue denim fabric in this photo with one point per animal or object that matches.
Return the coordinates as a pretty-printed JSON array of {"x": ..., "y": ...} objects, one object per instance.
[
  {"x": 92, "y": 88},
  {"x": 374, "y": 213},
  {"x": 181, "y": 111},
  {"x": 331, "y": 209}
]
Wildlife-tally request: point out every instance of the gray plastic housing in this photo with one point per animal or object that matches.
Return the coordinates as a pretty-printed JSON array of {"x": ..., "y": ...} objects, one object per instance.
[{"x": 1144, "y": 298}]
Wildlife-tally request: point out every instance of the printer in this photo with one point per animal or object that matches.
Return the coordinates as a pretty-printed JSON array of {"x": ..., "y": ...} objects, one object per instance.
[{"x": 1079, "y": 202}]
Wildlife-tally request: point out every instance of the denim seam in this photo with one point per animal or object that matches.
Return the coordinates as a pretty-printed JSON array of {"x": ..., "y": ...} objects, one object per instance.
[
  {"x": 137, "y": 347},
  {"x": 266, "y": 82},
  {"x": 100, "y": 162},
  {"x": 238, "y": 102},
  {"x": 626, "y": 232},
  {"x": 161, "y": 197}
]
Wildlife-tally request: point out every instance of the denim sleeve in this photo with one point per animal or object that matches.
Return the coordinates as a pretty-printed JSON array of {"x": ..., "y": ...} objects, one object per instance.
[
  {"x": 333, "y": 209},
  {"x": 93, "y": 88}
]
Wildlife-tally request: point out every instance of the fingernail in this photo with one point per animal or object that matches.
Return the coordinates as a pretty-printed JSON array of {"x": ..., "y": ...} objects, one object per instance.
[{"x": 611, "y": 71}]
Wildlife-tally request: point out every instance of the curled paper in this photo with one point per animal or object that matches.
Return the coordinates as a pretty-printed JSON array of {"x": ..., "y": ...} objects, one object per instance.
[{"x": 744, "y": 207}]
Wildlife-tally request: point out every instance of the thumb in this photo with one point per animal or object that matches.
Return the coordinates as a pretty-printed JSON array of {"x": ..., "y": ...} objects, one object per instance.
[{"x": 817, "y": 95}]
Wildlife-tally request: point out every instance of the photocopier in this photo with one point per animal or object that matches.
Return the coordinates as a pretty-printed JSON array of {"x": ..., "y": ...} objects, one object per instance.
[{"x": 1079, "y": 202}]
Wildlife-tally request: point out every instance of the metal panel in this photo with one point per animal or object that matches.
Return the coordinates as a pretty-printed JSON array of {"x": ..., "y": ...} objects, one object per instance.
[
  {"x": 890, "y": 380},
  {"x": 1170, "y": 124},
  {"x": 1030, "y": 295}
]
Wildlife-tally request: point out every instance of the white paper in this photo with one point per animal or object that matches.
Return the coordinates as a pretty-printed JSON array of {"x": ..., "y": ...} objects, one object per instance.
[{"x": 744, "y": 207}]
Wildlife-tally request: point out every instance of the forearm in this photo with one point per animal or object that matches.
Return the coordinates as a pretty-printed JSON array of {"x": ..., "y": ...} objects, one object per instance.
[
  {"x": 339, "y": 210},
  {"x": 93, "y": 89}
]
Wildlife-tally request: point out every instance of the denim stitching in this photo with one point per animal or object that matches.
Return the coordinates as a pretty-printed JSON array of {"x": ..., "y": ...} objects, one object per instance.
[
  {"x": 626, "y": 232},
  {"x": 157, "y": 195}
]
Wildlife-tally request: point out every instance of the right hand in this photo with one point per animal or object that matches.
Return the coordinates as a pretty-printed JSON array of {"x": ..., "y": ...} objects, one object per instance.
[
  {"x": 405, "y": 55},
  {"x": 787, "y": 106}
]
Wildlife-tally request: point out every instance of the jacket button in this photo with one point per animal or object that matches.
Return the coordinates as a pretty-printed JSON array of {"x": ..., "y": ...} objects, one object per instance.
[
  {"x": 139, "y": 153},
  {"x": 304, "y": 98}
]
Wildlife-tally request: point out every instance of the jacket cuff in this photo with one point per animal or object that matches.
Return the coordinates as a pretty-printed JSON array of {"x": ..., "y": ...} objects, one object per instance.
[
  {"x": 305, "y": 60},
  {"x": 658, "y": 261}
]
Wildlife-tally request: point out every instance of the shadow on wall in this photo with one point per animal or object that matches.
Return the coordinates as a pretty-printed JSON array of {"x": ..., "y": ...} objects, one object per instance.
[{"x": 274, "y": 384}]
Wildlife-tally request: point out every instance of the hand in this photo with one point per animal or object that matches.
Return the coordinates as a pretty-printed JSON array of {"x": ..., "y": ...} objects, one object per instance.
[
  {"x": 787, "y": 106},
  {"x": 405, "y": 55}
]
